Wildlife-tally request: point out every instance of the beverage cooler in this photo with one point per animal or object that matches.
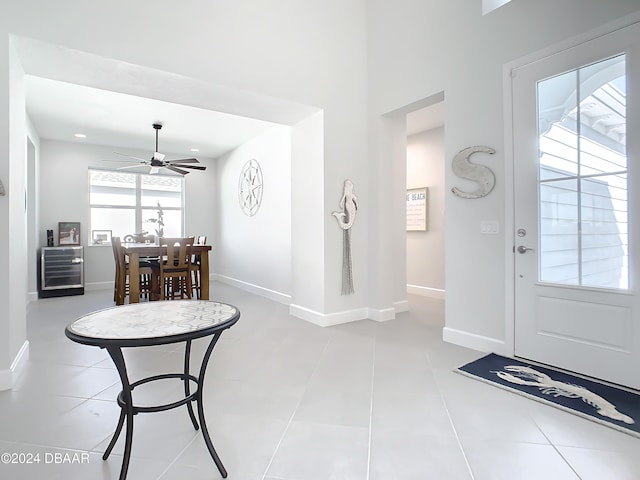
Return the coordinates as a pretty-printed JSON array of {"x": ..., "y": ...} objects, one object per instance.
[{"x": 61, "y": 271}]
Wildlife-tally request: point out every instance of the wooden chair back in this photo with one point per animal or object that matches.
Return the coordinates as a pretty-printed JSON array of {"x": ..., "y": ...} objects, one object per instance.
[
  {"x": 176, "y": 265},
  {"x": 118, "y": 256},
  {"x": 120, "y": 282},
  {"x": 196, "y": 260},
  {"x": 178, "y": 254}
]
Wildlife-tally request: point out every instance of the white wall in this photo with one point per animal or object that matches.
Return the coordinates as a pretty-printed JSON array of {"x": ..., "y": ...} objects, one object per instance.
[
  {"x": 418, "y": 50},
  {"x": 308, "y": 283},
  {"x": 308, "y": 52},
  {"x": 201, "y": 202},
  {"x": 64, "y": 197},
  {"x": 13, "y": 215},
  {"x": 255, "y": 252},
  {"x": 33, "y": 211},
  {"x": 357, "y": 61},
  {"x": 425, "y": 250}
]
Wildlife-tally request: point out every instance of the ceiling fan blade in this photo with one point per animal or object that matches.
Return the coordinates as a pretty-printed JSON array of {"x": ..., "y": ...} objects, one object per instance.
[
  {"x": 185, "y": 160},
  {"x": 176, "y": 169},
  {"x": 122, "y": 162},
  {"x": 126, "y": 167},
  {"x": 158, "y": 156},
  {"x": 131, "y": 156},
  {"x": 193, "y": 167}
]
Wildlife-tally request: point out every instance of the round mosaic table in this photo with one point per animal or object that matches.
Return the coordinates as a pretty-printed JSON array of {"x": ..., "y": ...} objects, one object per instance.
[{"x": 156, "y": 323}]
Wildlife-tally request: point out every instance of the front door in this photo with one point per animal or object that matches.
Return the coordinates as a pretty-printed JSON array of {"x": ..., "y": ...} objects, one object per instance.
[{"x": 577, "y": 208}]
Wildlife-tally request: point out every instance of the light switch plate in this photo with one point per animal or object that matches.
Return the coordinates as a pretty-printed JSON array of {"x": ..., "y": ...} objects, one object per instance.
[{"x": 489, "y": 227}]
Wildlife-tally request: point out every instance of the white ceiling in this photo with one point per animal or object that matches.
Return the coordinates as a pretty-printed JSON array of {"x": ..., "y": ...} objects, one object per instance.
[
  {"x": 59, "y": 110},
  {"x": 425, "y": 119},
  {"x": 115, "y": 103}
]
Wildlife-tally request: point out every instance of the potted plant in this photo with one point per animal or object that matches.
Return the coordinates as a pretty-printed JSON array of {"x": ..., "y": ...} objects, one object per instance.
[{"x": 159, "y": 220}]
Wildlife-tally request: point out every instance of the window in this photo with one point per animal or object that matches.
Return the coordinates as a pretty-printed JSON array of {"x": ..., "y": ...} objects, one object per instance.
[
  {"x": 583, "y": 177},
  {"x": 128, "y": 203}
]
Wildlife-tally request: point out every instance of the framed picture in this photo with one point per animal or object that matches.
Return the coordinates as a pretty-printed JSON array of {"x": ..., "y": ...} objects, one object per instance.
[
  {"x": 101, "y": 237},
  {"x": 417, "y": 199},
  {"x": 69, "y": 233}
]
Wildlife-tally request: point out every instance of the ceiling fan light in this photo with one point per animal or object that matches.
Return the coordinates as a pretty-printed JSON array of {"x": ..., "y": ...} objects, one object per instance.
[{"x": 157, "y": 162}]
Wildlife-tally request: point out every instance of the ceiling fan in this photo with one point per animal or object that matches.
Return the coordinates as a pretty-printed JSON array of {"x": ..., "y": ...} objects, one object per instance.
[{"x": 157, "y": 161}]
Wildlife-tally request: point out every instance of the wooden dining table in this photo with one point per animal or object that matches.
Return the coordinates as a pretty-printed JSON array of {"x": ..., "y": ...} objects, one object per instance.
[{"x": 136, "y": 250}]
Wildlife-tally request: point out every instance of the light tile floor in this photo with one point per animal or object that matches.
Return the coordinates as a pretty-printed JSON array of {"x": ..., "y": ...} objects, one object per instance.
[{"x": 287, "y": 400}]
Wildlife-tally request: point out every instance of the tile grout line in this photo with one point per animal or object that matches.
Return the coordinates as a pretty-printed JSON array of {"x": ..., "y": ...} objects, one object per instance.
[
  {"x": 446, "y": 408},
  {"x": 455, "y": 432},
  {"x": 286, "y": 429},
  {"x": 556, "y": 448},
  {"x": 373, "y": 373},
  {"x": 175, "y": 460}
]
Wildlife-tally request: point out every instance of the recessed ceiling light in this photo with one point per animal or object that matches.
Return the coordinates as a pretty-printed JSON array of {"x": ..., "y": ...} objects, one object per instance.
[
  {"x": 80, "y": 135},
  {"x": 195, "y": 150}
]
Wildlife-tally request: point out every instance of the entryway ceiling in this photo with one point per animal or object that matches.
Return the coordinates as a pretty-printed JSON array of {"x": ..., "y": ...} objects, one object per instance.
[
  {"x": 115, "y": 103},
  {"x": 59, "y": 110}
]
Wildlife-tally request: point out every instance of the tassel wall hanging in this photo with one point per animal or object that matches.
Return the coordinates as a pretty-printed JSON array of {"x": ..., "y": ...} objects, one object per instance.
[{"x": 345, "y": 218}]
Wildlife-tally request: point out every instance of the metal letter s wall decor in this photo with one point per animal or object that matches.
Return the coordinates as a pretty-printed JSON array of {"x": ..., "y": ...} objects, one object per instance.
[
  {"x": 479, "y": 174},
  {"x": 345, "y": 218}
]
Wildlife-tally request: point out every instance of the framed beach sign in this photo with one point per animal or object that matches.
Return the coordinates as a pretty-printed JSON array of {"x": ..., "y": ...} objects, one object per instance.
[{"x": 417, "y": 209}]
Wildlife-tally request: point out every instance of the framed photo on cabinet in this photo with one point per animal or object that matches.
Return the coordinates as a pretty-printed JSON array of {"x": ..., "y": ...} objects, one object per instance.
[{"x": 68, "y": 233}]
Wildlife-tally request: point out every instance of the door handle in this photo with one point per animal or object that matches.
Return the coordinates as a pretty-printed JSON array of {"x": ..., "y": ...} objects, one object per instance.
[{"x": 523, "y": 249}]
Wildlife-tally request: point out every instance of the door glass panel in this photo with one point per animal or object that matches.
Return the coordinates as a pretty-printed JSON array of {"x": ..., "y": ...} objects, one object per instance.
[
  {"x": 604, "y": 231},
  {"x": 559, "y": 239},
  {"x": 583, "y": 210}
]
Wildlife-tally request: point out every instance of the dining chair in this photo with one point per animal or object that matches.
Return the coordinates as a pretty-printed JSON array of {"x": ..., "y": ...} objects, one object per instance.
[
  {"x": 119, "y": 288},
  {"x": 121, "y": 285},
  {"x": 175, "y": 268},
  {"x": 196, "y": 263}
]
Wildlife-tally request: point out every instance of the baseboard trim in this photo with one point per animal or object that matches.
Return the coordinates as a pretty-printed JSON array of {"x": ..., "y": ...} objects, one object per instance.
[
  {"x": 313, "y": 316},
  {"x": 328, "y": 319},
  {"x": 6, "y": 380},
  {"x": 96, "y": 286},
  {"x": 339, "y": 318},
  {"x": 255, "y": 289},
  {"x": 382, "y": 315},
  {"x": 6, "y": 376},
  {"x": 402, "y": 306},
  {"x": 474, "y": 341},
  {"x": 426, "y": 291}
]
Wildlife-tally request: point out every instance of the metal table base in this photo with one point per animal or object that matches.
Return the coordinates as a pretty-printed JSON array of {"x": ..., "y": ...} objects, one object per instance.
[{"x": 129, "y": 410}]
